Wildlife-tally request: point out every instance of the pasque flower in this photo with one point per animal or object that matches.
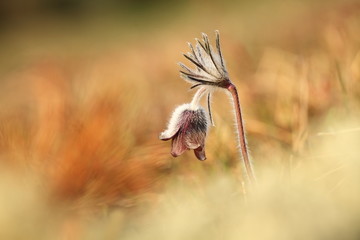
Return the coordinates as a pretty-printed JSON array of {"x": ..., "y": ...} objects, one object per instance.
[
  {"x": 188, "y": 128},
  {"x": 188, "y": 125}
]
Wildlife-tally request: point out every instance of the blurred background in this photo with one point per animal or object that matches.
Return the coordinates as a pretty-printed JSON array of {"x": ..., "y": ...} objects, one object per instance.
[{"x": 87, "y": 86}]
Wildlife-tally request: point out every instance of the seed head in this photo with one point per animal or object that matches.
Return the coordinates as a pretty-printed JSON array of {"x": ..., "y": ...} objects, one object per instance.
[{"x": 209, "y": 64}]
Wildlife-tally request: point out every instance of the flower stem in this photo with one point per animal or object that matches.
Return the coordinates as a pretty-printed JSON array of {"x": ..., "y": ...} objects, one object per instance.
[
  {"x": 196, "y": 99},
  {"x": 241, "y": 134}
]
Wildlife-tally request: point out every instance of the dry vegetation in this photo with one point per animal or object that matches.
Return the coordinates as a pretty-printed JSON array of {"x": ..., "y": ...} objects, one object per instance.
[{"x": 79, "y": 151}]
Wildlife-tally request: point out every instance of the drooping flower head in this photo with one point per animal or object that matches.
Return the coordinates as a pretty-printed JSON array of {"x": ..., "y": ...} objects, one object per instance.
[{"x": 187, "y": 128}]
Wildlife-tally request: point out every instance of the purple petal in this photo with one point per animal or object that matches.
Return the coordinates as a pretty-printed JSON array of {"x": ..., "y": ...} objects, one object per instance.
[
  {"x": 178, "y": 145},
  {"x": 195, "y": 140},
  {"x": 165, "y": 136},
  {"x": 175, "y": 123},
  {"x": 169, "y": 133},
  {"x": 200, "y": 153}
]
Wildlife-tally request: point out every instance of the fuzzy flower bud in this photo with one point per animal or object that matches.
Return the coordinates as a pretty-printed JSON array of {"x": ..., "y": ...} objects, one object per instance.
[{"x": 187, "y": 128}]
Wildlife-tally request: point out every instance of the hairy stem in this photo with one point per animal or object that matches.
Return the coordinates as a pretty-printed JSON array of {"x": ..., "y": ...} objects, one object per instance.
[
  {"x": 241, "y": 134},
  {"x": 196, "y": 99}
]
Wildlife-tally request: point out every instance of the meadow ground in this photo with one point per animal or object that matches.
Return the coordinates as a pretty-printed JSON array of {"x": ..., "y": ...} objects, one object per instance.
[{"x": 83, "y": 98}]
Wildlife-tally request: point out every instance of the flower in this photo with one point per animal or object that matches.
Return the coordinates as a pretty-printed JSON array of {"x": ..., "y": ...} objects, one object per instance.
[
  {"x": 188, "y": 125},
  {"x": 187, "y": 128},
  {"x": 210, "y": 66}
]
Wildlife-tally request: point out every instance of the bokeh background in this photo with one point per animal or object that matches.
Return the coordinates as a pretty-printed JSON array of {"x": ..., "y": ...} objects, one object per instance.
[{"x": 87, "y": 86}]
